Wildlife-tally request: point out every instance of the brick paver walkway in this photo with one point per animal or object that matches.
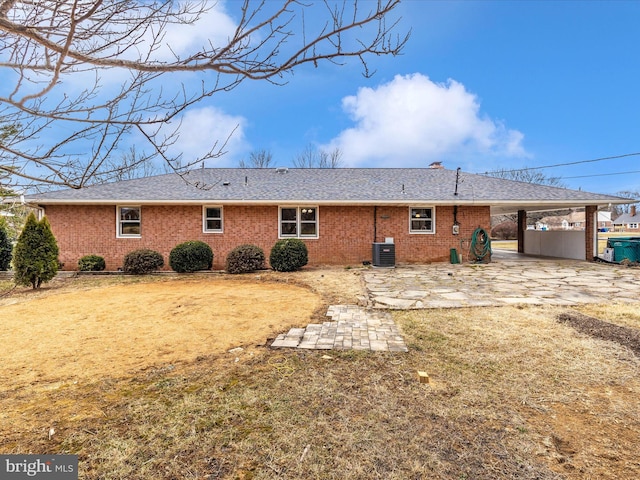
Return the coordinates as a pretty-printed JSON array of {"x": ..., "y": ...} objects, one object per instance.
[{"x": 352, "y": 328}]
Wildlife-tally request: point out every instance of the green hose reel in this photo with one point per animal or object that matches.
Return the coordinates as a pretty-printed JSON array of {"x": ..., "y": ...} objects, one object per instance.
[{"x": 480, "y": 250}]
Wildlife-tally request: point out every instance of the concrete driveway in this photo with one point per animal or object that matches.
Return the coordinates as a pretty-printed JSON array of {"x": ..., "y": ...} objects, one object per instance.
[{"x": 510, "y": 279}]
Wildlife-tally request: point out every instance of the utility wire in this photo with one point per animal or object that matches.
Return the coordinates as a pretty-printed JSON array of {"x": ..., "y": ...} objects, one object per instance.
[
  {"x": 601, "y": 174},
  {"x": 564, "y": 164}
]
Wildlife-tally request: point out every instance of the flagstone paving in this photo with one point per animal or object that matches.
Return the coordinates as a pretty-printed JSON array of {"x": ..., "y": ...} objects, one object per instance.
[{"x": 508, "y": 280}]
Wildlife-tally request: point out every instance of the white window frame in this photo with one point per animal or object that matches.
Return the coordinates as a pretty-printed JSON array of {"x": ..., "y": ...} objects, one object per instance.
[
  {"x": 119, "y": 221},
  {"x": 205, "y": 218},
  {"x": 633, "y": 226},
  {"x": 432, "y": 231},
  {"x": 299, "y": 221}
]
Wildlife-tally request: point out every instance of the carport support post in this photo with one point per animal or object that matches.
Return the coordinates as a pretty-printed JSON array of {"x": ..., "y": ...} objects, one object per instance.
[
  {"x": 591, "y": 232},
  {"x": 522, "y": 227}
]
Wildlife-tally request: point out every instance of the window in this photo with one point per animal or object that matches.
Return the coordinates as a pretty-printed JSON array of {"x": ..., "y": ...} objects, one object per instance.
[
  {"x": 633, "y": 226},
  {"x": 212, "y": 219},
  {"x": 299, "y": 222},
  {"x": 422, "y": 220},
  {"x": 128, "y": 222}
]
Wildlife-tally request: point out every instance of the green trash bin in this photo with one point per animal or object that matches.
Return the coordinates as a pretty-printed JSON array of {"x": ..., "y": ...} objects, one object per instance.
[
  {"x": 634, "y": 250},
  {"x": 626, "y": 249}
]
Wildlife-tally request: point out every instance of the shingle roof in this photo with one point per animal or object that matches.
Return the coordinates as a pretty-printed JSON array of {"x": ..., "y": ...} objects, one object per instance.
[
  {"x": 627, "y": 218},
  {"x": 574, "y": 217},
  {"x": 327, "y": 186}
]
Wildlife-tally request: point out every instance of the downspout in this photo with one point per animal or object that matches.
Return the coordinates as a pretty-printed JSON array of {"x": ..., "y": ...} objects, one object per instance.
[{"x": 375, "y": 223}]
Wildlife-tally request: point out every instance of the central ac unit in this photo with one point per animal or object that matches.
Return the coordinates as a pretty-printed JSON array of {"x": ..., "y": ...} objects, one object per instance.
[{"x": 384, "y": 255}]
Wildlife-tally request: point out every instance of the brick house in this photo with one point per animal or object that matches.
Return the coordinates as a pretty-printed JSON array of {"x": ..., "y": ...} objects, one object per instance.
[
  {"x": 338, "y": 213},
  {"x": 628, "y": 222},
  {"x": 576, "y": 220}
]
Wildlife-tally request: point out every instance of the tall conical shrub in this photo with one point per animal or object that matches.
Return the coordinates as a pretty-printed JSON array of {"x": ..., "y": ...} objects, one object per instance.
[
  {"x": 5, "y": 246},
  {"x": 35, "y": 258}
]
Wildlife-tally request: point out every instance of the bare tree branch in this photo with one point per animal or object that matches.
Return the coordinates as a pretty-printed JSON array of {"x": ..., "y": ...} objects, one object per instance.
[
  {"x": 257, "y": 159},
  {"x": 86, "y": 79},
  {"x": 528, "y": 175},
  {"x": 311, "y": 157}
]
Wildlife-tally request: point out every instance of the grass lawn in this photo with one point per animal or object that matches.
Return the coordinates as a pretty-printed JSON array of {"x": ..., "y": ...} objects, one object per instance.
[
  {"x": 602, "y": 241},
  {"x": 505, "y": 244},
  {"x": 514, "y": 394}
]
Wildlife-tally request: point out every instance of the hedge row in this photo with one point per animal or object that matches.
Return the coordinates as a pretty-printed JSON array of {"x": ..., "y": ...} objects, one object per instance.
[{"x": 287, "y": 255}]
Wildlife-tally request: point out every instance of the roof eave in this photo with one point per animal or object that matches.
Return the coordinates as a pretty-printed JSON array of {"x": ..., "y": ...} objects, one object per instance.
[
  {"x": 528, "y": 205},
  {"x": 509, "y": 207}
]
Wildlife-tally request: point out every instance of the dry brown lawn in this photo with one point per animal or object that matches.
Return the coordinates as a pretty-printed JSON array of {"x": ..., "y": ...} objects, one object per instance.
[
  {"x": 134, "y": 375},
  {"x": 116, "y": 330}
]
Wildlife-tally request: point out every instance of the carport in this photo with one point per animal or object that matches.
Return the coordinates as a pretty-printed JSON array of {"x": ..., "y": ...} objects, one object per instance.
[{"x": 572, "y": 244}]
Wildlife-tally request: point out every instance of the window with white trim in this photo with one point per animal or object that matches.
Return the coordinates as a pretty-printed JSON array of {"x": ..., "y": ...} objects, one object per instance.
[
  {"x": 422, "y": 220},
  {"x": 212, "y": 219},
  {"x": 129, "y": 222},
  {"x": 298, "y": 222},
  {"x": 633, "y": 225}
]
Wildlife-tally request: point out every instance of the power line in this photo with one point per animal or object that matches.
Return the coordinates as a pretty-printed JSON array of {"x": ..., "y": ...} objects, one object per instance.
[
  {"x": 565, "y": 164},
  {"x": 600, "y": 175}
]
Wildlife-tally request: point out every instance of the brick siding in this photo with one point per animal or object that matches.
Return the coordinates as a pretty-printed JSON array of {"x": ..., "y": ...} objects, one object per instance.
[{"x": 345, "y": 232}]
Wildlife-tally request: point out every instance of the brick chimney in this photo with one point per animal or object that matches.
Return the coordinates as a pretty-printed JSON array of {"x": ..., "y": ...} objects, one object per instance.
[{"x": 632, "y": 210}]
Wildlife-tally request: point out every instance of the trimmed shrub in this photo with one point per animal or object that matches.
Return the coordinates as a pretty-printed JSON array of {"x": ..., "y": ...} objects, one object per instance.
[
  {"x": 139, "y": 262},
  {"x": 35, "y": 257},
  {"x": 5, "y": 246},
  {"x": 191, "y": 256},
  {"x": 91, "y": 263},
  {"x": 288, "y": 255},
  {"x": 245, "y": 259}
]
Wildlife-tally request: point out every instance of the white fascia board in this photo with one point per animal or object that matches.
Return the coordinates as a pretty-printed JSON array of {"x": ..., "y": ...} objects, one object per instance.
[{"x": 523, "y": 204}]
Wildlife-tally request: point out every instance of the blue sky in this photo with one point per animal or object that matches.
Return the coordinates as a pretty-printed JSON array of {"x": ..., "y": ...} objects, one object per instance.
[{"x": 482, "y": 85}]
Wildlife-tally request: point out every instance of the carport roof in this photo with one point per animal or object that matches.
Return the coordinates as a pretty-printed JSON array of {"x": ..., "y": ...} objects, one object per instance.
[{"x": 343, "y": 186}]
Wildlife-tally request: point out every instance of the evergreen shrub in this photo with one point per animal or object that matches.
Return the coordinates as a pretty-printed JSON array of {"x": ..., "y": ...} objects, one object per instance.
[
  {"x": 288, "y": 255},
  {"x": 191, "y": 256},
  {"x": 6, "y": 248},
  {"x": 245, "y": 259},
  {"x": 142, "y": 261},
  {"x": 35, "y": 257},
  {"x": 91, "y": 263}
]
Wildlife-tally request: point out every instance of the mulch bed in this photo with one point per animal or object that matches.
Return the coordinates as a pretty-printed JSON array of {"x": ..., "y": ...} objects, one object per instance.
[{"x": 625, "y": 336}]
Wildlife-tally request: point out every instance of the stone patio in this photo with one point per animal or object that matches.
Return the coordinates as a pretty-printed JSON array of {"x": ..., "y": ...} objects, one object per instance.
[{"x": 509, "y": 279}]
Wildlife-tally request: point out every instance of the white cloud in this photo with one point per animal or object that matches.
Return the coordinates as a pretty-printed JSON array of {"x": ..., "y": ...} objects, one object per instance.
[
  {"x": 413, "y": 121},
  {"x": 202, "y": 127},
  {"x": 215, "y": 28}
]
